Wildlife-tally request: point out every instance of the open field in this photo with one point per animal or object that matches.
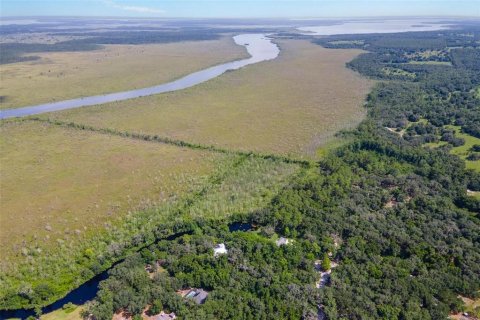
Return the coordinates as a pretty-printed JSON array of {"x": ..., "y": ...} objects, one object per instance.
[
  {"x": 65, "y": 75},
  {"x": 290, "y": 105},
  {"x": 64, "y": 184},
  {"x": 462, "y": 151},
  {"x": 61, "y": 314},
  {"x": 438, "y": 63},
  {"x": 396, "y": 72}
]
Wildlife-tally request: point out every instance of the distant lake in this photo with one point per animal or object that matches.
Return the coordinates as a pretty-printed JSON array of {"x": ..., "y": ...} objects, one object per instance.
[
  {"x": 374, "y": 26},
  {"x": 259, "y": 46}
]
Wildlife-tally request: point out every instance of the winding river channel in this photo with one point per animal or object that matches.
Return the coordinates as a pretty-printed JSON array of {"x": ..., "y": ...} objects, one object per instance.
[{"x": 259, "y": 46}]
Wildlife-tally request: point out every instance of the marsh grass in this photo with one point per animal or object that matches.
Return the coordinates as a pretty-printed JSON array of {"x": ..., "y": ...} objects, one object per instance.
[
  {"x": 288, "y": 106},
  {"x": 59, "y": 183},
  {"x": 66, "y": 75}
]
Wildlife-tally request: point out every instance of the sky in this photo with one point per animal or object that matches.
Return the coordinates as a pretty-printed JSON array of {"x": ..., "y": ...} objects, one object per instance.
[{"x": 235, "y": 8}]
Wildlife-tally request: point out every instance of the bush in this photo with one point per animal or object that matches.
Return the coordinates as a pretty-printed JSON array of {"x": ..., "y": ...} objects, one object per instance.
[{"x": 69, "y": 307}]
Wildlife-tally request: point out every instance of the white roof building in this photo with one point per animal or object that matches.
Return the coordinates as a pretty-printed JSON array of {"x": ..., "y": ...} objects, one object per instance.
[
  {"x": 219, "y": 249},
  {"x": 282, "y": 241}
]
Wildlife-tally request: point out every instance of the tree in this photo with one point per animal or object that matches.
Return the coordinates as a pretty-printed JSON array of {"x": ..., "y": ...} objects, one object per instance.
[
  {"x": 326, "y": 263},
  {"x": 157, "y": 307}
]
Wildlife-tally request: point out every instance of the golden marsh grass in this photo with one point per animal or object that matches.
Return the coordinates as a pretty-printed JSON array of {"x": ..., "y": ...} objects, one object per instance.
[{"x": 291, "y": 105}]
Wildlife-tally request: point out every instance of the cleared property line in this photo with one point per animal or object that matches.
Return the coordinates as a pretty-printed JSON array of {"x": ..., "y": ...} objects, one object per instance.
[{"x": 166, "y": 140}]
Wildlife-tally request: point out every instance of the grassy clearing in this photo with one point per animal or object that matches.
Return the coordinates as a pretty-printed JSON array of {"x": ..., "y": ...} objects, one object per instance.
[
  {"x": 475, "y": 194},
  {"x": 61, "y": 314},
  {"x": 439, "y": 63},
  {"x": 347, "y": 42},
  {"x": 66, "y": 75},
  {"x": 396, "y": 72},
  {"x": 62, "y": 184},
  {"x": 291, "y": 105},
  {"x": 462, "y": 151},
  {"x": 427, "y": 55}
]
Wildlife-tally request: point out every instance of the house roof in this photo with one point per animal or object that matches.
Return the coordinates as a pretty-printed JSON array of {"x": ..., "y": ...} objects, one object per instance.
[
  {"x": 165, "y": 316},
  {"x": 282, "y": 241},
  {"x": 219, "y": 249},
  {"x": 201, "y": 296}
]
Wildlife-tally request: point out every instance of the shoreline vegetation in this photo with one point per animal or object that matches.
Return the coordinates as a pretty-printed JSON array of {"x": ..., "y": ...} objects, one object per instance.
[{"x": 392, "y": 211}]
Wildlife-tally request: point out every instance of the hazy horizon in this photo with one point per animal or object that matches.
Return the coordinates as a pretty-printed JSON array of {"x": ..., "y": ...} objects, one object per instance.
[{"x": 242, "y": 9}]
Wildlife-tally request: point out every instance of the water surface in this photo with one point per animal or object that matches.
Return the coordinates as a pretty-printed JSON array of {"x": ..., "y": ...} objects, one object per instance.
[
  {"x": 258, "y": 46},
  {"x": 374, "y": 26}
]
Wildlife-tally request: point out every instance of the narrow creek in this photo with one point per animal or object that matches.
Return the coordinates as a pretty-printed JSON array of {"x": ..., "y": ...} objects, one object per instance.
[{"x": 259, "y": 46}]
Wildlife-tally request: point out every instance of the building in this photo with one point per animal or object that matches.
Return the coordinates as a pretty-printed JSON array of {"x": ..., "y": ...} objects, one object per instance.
[
  {"x": 198, "y": 295},
  {"x": 165, "y": 316},
  {"x": 219, "y": 249},
  {"x": 282, "y": 241}
]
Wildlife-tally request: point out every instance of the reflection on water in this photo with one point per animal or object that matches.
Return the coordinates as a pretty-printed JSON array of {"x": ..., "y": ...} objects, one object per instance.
[{"x": 258, "y": 46}]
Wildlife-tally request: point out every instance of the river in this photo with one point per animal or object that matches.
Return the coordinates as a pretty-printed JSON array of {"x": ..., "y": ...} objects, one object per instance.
[{"x": 259, "y": 46}]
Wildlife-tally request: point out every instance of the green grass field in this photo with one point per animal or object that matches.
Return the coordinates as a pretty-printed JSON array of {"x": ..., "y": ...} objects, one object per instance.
[
  {"x": 291, "y": 105},
  {"x": 396, "y": 72},
  {"x": 461, "y": 151},
  {"x": 438, "y": 63},
  {"x": 61, "y": 314}
]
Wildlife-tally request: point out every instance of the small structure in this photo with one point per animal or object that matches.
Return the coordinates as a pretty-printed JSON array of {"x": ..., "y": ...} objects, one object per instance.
[
  {"x": 283, "y": 241},
  {"x": 198, "y": 295},
  {"x": 201, "y": 296},
  {"x": 219, "y": 249},
  {"x": 164, "y": 316}
]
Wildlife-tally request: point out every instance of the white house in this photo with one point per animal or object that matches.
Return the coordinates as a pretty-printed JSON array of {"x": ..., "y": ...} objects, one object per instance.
[
  {"x": 219, "y": 249},
  {"x": 282, "y": 241}
]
